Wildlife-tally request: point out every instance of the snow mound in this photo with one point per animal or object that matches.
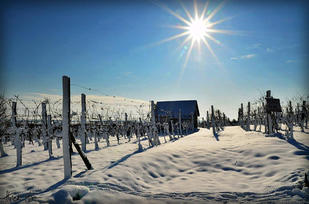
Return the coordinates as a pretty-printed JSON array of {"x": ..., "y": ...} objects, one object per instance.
[{"x": 69, "y": 193}]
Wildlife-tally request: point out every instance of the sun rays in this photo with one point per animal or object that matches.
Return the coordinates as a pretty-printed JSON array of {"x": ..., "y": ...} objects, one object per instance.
[{"x": 198, "y": 29}]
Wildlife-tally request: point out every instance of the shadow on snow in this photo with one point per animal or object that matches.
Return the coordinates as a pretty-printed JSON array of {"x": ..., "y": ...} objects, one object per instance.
[
  {"x": 28, "y": 165},
  {"x": 303, "y": 149}
]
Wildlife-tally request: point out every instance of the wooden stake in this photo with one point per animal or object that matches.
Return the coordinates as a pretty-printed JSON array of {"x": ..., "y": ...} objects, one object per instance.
[
  {"x": 83, "y": 122},
  {"x": 44, "y": 126},
  {"x": 66, "y": 127},
  {"x": 50, "y": 136},
  {"x": 213, "y": 120},
  {"x": 248, "y": 119}
]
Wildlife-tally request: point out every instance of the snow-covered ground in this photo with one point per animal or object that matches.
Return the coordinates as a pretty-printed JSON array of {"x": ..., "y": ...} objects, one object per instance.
[{"x": 238, "y": 166}]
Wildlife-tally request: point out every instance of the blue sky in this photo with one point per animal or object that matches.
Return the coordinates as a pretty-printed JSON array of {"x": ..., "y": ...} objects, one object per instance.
[{"x": 111, "y": 48}]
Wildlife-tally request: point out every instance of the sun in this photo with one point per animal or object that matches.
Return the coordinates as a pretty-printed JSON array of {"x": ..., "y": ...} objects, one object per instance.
[{"x": 198, "y": 29}]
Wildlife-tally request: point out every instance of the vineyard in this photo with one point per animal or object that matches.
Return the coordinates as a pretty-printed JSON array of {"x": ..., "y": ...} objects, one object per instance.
[{"x": 60, "y": 149}]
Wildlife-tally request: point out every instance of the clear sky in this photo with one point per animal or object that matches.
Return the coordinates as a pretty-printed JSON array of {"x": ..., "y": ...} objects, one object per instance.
[{"x": 112, "y": 48}]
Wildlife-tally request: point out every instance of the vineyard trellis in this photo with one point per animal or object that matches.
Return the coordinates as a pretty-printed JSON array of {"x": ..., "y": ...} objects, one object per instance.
[
  {"x": 267, "y": 112},
  {"x": 41, "y": 121},
  {"x": 89, "y": 120}
]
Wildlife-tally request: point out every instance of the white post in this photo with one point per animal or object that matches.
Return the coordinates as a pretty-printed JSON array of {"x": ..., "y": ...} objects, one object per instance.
[
  {"x": 83, "y": 122},
  {"x": 66, "y": 127},
  {"x": 50, "y": 136},
  {"x": 44, "y": 126}
]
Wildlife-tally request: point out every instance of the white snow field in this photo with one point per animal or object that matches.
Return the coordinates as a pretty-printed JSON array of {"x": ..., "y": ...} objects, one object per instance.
[{"x": 238, "y": 167}]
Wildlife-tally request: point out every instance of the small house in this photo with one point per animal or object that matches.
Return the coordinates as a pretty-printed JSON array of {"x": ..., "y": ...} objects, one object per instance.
[{"x": 170, "y": 110}]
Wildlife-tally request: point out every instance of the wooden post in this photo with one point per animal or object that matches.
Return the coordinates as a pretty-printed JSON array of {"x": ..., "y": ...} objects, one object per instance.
[
  {"x": 50, "y": 136},
  {"x": 219, "y": 121},
  {"x": 18, "y": 145},
  {"x": 153, "y": 122},
  {"x": 66, "y": 127},
  {"x": 95, "y": 133},
  {"x": 297, "y": 113},
  {"x": 44, "y": 126},
  {"x": 207, "y": 122},
  {"x": 105, "y": 134},
  {"x": 139, "y": 126},
  {"x": 173, "y": 131},
  {"x": 268, "y": 93},
  {"x": 268, "y": 115},
  {"x": 213, "y": 120},
  {"x": 83, "y": 122},
  {"x": 259, "y": 119},
  {"x": 242, "y": 115},
  {"x": 81, "y": 153},
  {"x": 255, "y": 119},
  {"x": 192, "y": 122},
  {"x": 304, "y": 115},
  {"x": 270, "y": 123},
  {"x": 126, "y": 127},
  {"x": 14, "y": 122},
  {"x": 180, "y": 125},
  {"x": 248, "y": 120},
  {"x": 264, "y": 118},
  {"x": 14, "y": 114},
  {"x": 290, "y": 120}
]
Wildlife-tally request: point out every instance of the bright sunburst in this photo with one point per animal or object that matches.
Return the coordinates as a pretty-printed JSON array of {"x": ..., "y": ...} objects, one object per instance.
[{"x": 198, "y": 29}]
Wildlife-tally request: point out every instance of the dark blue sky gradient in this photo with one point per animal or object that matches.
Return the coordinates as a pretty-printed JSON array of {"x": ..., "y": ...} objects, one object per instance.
[{"x": 111, "y": 47}]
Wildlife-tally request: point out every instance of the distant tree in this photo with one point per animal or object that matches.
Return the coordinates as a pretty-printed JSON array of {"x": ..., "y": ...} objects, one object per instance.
[{"x": 234, "y": 122}]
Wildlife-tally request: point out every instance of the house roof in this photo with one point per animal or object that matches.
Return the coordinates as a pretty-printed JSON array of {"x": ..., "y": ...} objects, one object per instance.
[{"x": 171, "y": 108}]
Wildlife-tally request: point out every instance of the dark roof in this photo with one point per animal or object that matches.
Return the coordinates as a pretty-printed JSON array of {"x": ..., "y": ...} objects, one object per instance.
[{"x": 171, "y": 108}]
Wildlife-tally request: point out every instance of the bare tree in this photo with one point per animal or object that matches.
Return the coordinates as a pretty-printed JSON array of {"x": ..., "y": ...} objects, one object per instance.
[{"x": 3, "y": 124}]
